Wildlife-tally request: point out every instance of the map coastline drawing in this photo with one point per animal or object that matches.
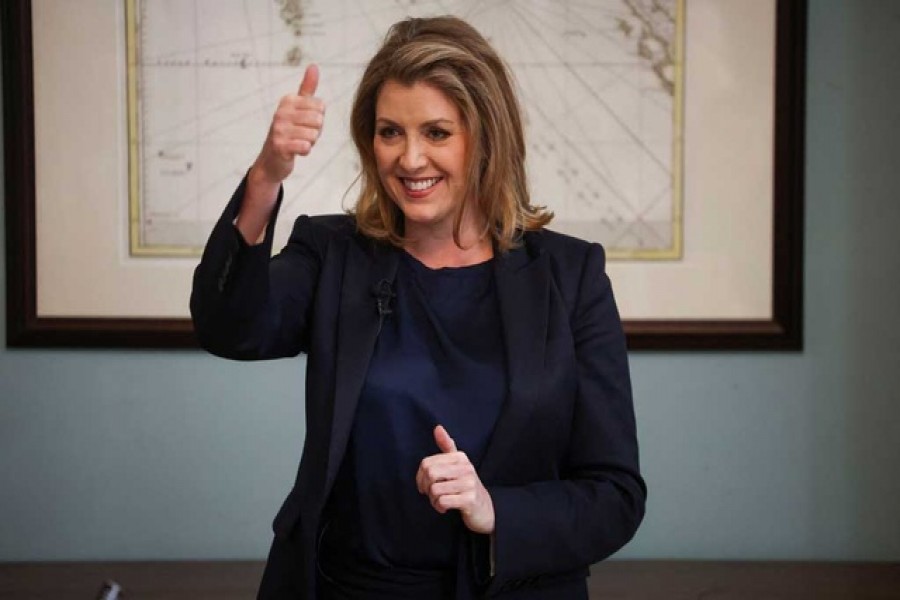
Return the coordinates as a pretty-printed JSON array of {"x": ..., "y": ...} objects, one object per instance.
[{"x": 600, "y": 83}]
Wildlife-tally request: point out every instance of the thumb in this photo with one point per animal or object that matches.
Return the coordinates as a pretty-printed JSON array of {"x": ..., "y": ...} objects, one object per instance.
[
  {"x": 310, "y": 81},
  {"x": 444, "y": 442}
]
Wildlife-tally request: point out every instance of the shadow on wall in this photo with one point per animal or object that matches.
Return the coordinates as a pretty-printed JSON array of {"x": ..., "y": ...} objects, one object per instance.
[{"x": 872, "y": 384}]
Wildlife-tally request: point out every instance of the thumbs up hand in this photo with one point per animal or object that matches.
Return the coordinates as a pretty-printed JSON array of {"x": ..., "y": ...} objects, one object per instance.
[
  {"x": 294, "y": 130},
  {"x": 295, "y": 127},
  {"x": 450, "y": 481}
]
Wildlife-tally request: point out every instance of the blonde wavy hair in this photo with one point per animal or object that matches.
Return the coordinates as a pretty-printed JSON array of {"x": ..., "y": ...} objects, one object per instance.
[{"x": 449, "y": 54}]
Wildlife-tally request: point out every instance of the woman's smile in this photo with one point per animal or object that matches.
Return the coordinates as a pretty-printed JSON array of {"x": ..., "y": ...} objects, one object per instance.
[{"x": 419, "y": 187}]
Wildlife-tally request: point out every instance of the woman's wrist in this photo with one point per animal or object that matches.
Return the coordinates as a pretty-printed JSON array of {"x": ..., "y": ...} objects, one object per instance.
[{"x": 260, "y": 196}]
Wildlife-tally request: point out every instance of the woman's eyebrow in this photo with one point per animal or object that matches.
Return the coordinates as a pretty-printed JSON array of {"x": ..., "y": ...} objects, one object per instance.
[{"x": 440, "y": 121}]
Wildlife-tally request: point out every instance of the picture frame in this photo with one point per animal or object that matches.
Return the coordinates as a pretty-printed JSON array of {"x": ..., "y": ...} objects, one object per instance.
[{"x": 26, "y": 327}]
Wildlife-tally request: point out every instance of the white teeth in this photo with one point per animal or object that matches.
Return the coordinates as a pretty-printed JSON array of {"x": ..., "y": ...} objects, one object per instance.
[{"x": 420, "y": 185}]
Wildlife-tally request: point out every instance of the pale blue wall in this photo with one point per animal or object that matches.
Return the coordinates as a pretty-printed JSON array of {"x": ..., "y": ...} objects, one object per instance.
[{"x": 171, "y": 455}]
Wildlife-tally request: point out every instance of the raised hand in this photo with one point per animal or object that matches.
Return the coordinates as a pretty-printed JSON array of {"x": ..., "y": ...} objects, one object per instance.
[
  {"x": 295, "y": 127},
  {"x": 450, "y": 481}
]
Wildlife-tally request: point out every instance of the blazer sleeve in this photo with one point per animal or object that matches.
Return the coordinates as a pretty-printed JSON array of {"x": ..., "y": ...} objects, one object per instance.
[
  {"x": 548, "y": 528},
  {"x": 247, "y": 306}
]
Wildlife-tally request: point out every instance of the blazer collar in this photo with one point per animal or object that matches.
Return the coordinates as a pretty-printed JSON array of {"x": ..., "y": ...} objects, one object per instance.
[
  {"x": 367, "y": 265},
  {"x": 522, "y": 277}
]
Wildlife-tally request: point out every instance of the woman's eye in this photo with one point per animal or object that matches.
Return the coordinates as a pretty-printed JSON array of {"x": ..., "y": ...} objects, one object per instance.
[
  {"x": 438, "y": 135},
  {"x": 388, "y": 132}
]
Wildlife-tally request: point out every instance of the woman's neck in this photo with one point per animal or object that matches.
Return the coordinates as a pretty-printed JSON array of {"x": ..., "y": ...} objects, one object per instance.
[{"x": 437, "y": 250}]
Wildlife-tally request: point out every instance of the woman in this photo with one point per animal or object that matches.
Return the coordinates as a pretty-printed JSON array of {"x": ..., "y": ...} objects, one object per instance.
[{"x": 470, "y": 429}]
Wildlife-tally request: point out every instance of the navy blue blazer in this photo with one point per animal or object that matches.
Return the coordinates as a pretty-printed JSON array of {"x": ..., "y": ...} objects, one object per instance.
[{"x": 562, "y": 463}]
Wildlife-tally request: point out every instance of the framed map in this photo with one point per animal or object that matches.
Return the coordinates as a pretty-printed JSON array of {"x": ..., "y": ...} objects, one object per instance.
[
  {"x": 671, "y": 131},
  {"x": 601, "y": 85}
]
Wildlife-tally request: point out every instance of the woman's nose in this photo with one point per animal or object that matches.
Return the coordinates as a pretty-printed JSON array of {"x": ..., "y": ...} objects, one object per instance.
[{"x": 412, "y": 157}]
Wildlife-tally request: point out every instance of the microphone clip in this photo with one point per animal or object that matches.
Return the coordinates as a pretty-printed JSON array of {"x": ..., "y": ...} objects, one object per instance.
[{"x": 384, "y": 294}]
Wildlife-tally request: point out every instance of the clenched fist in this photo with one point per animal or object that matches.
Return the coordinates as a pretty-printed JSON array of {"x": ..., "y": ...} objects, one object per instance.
[
  {"x": 450, "y": 482},
  {"x": 295, "y": 128}
]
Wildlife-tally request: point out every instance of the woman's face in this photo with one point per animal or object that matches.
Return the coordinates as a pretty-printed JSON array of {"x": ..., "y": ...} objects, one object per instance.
[{"x": 420, "y": 151}]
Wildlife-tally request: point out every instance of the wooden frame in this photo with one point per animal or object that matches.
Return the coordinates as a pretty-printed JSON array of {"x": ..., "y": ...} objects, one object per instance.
[{"x": 26, "y": 328}]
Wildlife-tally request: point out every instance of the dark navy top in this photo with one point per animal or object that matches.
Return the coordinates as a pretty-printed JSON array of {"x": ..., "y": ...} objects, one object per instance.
[{"x": 439, "y": 359}]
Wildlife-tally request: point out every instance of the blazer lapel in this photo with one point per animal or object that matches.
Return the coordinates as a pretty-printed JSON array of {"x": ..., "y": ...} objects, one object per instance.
[
  {"x": 523, "y": 292},
  {"x": 358, "y": 327}
]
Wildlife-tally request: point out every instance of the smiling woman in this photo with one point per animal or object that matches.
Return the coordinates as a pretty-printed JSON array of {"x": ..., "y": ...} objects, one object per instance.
[
  {"x": 470, "y": 429},
  {"x": 421, "y": 152},
  {"x": 472, "y": 84}
]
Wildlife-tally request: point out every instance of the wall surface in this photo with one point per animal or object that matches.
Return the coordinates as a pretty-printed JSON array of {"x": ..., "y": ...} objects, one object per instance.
[{"x": 171, "y": 455}]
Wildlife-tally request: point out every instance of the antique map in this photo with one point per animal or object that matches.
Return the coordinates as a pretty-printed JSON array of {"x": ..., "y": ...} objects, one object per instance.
[{"x": 600, "y": 83}]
